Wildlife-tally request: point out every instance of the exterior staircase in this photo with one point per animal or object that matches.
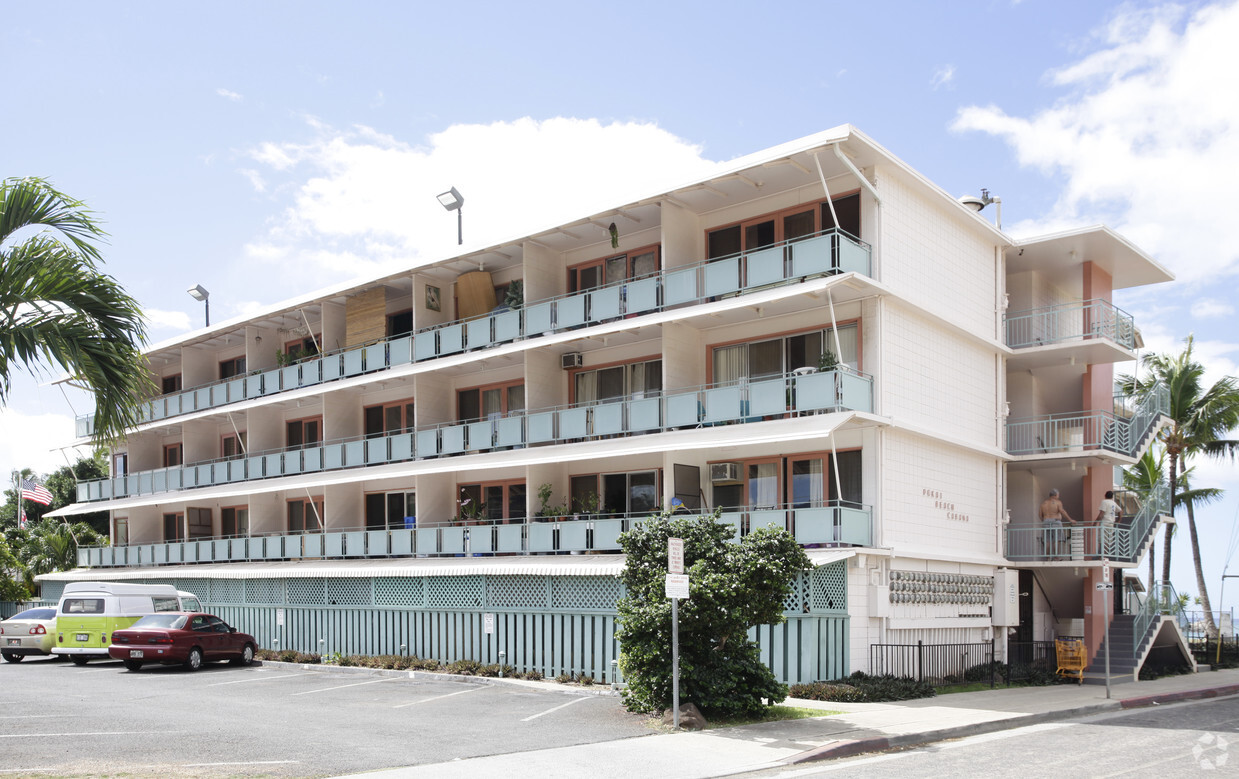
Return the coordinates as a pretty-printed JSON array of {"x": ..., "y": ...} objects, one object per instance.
[
  {"x": 1123, "y": 656},
  {"x": 1132, "y": 637}
]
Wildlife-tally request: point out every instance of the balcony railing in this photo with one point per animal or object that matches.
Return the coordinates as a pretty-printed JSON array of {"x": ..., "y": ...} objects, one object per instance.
[
  {"x": 1085, "y": 541},
  {"x": 1123, "y": 430},
  {"x": 832, "y": 524},
  {"x": 1070, "y": 322},
  {"x": 829, "y": 252},
  {"x": 706, "y": 406},
  {"x": 1162, "y": 600}
]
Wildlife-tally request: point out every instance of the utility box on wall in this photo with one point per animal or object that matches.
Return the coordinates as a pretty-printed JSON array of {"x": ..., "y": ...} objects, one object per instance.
[{"x": 1006, "y": 598}]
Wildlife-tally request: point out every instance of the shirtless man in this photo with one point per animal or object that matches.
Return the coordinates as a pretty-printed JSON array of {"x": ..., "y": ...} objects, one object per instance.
[{"x": 1052, "y": 516}]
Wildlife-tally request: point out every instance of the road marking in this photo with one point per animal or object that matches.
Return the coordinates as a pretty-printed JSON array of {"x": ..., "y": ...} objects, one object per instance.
[
  {"x": 355, "y": 684},
  {"x": 90, "y": 733},
  {"x": 557, "y": 708},
  {"x": 437, "y": 697},
  {"x": 38, "y": 716},
  {"x": 251, "y": 762},
  {"x": 259, "y": 679},
  {"x": 49, "y": 769}
]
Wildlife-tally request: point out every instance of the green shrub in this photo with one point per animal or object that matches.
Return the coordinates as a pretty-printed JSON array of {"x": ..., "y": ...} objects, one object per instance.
[
  {"x": 306, "y": 659},
  {"x": 533, "y": 676},
  {"x": 586, "y": 681},
  {"x": 289, "y": 655},
  {"x": 565, "y": 678},
  {"x": 827, "y": 691},
  {"x": 464, "y": 667}
]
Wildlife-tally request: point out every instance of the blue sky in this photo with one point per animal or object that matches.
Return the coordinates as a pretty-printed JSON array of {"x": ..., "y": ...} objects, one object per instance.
[{"x": 267, "y": 149}]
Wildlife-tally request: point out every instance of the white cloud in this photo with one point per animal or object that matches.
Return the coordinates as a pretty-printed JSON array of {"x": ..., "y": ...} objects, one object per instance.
[
  {"x": 1149, "y": 124},
  {"x": 255, "y": 179},
  {"x": 364, "y": 201},
  {"x": 24, "y": 439},
  {"x": 942, "y": 76},
  {"x": 170, "y": 320},
  {"x": 228, "y": 94},
  {"x": 1209, "y": 308}
]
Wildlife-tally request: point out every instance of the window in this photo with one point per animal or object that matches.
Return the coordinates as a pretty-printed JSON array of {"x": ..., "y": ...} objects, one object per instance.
[
  {"x": 787, "y": 225},
  {"x": 199, "y": 522},
  {"x": 232, "y": 445},
  {"x": 634, "y": 380},
  {"x": 172, "y": 527},
  {"x": 304, "y": 433},
  {"x": 400, "y": 324},
  {"x": 390, "y": 510},
  {"x": 784, "y": 354},
  {"x": 493, "y": 501},
  {"x": 165, "y": 604},
  {"x": 490, "y": 402},
  {"x": 234, "y": 521},
  {"x": 120, "y": 536},
  {"x": 301, "y": 348},
  {"x": 305, "y": 515},
  {"x": 388, "y": 419},
  {"x": 82, "y": 606},
  {"x": 232, "y": 367},
  {"x": 120, "y": 464},
  {"x": 171, "y": 384},
  {"x": 613, "y": 270},
  {"x": 803, "y": 481},
  {"x": 173, "y": 455},
  {"x": 615, "y": 493}
]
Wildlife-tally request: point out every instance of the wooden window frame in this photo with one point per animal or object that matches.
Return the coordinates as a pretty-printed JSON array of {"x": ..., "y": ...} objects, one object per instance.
[
  {"x": 238, "y": 369},
  {"x": 503, "y": 385},
  {"x": 505, "y": 484},
  {"x": 179, "y": 448},
  {"x": 785, "y": 480},
  {"x": 242, "y": 444},
  {"x": 778, "y": 218},
  {"x": 189, "y": 533},
  {"x": 319, "y": 516},
  {"x": 179, "y": 384},
  {"x": 784, "y": 335},
  {"x": 234, "y": 509},
  {"x": 572, "y": 373},
  {"x": 404, "y": 406},
  {"x": 303, "y": 421},
  {"x": 600, "y": 262},
  {"x": 385, "y": 493}
]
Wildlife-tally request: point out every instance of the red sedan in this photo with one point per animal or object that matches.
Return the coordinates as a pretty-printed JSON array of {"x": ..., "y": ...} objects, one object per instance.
[{"x": 187, "y": 638}]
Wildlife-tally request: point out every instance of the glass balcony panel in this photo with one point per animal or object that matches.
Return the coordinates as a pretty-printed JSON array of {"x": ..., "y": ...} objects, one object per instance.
[
  {"x": 538, "y": 319},
  {"x": 428, "y": 442},
  {"x": 680, "y": 286},
  {"x": 254, "y": 467},
  {"x": 205, "y": 551},
  {"x": 425, "y": 345},
  {"x": 271, "y": 382},
  {"x": 311, "y": 372},
  {"x": 273, "y": 464},
  {"x": 481, "y": 539},
  {"x": 722, "y": 277},
  {"x": 96, "y": 557},
  {"x": 109, "y": 556},
  {"x": 427, "y": 540},
  {"x": 203, "y": 475},
  {"x": 176, "y": 552},
  {"x": 83, "y": 492},
  {"x": 764, "y": 267},
  {"x": 570, "y": 311},
  {"x": 855, "y": 526},
  {"x": 683, "y": 410},
  {"x": 146, "y": 483},
  {"x": 815, "y": 526},
  {"x": 510, "y": 431},
  {"x": 292, "y": 463},
  {"x": 355, "y": 543},
  {"x": 333, "y": 367},
  {"x": 290, "y": 376},
  {"x": 161, "y": 554},
  {"x": 333, "y": 544},
  {"x": 604, "y": 304},
  {"x": 375, "y": 356},
  {"x": 236, "y": 470},
  {"x": 401, "y": 447},
  {"x": 541, "y": 537},
  {"x": 400, "y": 350},
  {"x": 776, "y": 518},
  {"x": 641, "y": 296},
  {"x": 376, "y": 450},
  {"x": 478, "y": 333},
  {"x": 853, "y": 256},
  {"x": 376, "y": 543},
  {"x": 643, "y": 414},
  {"x": 106, "y": 488},
  {"x": 354, "y": 453},
  {"x": 608, "y": 418},
  {"x": 768, "y": 397},
  {"x": 236, "y": 391},
  {"x": 219, "y": 395},
  {"x": 481, "y": 435},
  {"x": 452, "y": 540},
  {"x": 606, "y": 534},
  {"x": 722, "y": 404},
  {"x": 220, "y": 549},
  {"x": 354, "y": 362},
  {"x": 572, "y": 535},
  {"x": 507, "y": 326},
  {"x": 201, "y": 398},
  {"x": 176, "y": 478},
  {"x": 811, "y": 256},
  {"x": 401, "y": 542},
  {"x": 154, "y": 410},
  {"x": 310, "y": 545},
  {"x": 238, "y": 548},
  {"x": 511, "y": 538},
  {"x": 541, "y": 427},
  {"x": 452, "y": 439},
  {"x": 312, "y": 459},
  {"x": 857, "y": 392},
  {"x": 253, "y": 386},
  {"x": 451, "y": 339},
  {"x": 573, "y": 423},
  {"x": 219, "y": 473},
  {"x": 815, "y": 391}
]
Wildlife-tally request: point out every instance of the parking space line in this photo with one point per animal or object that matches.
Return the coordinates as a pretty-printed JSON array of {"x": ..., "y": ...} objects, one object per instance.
[
  {"x": 26, "y": 770},
  {"x": 249, "y": 762},
  {"x": 259, "y": 679},
  {"x": 437, "y": 697},
  {"x": 557, "y": 708},
  {"x": 92, "y": 733},
  {"x": 355, "y": 684}
]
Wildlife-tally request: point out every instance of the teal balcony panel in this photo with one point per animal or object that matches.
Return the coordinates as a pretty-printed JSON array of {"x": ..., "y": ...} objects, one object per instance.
[
  {"x": 507, "y": 326},
  {"x": 428, "y": 442},
  {"x": 374, "y": 356},
  {"x": 290, "y": 377},
  {"x": 608, "y": 419},
  {"x": 764, "y": 267},
  {"x": 401, "y": 542},
  {"x": 604, "y": 304},
  {"x": 354, "y": 543},
  {"x": 570, "y": 312},
  {"x": 452, "y": 439},
  {"x": 853, "y": 255},
  {"x": 425, "y": 346},
  {"x": 354, "y": 362},
  {"x": 641, "y": 295},
  {"x": 452, "y": 540},
  {"x": 606, "y": 534},
  {"x": 644, "y": 414},
  {"x": 401, "y": 447},
  {"x": 377, "y": 543},
  {"x": 722, "y": 277},
  {"x": 354, "y": 453},
  {"x": 680, "y": 286},
  {"x": 541, "y": 537},
  {"x": 478, "y": 333},
  {"x": 812, "y": 256},
  {"x": 451, "y": 339},
  {"x": 723, "y": 404},
  {"x": 400, "y": 351},
  {"x": 510, "y": 539},
  {"x": 573, "y": 423},
  {"x": 541, "y": 427},
  {"x": 539, "y": 319},
  {"x": 481, "y": 435},
  {"x": 481, "y": 540},
  {"x": 734, "y": 519},
  {"x": 510, "y": 431},
  {"x": 376, "y": 451},
  {"x": 427, "y": 540},
  {"x": 312, "y": 545},
  {"x": 572, "y": 535}
]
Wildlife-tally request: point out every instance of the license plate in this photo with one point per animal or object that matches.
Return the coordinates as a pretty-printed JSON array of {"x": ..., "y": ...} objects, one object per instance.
[
  {"x": 14, "y": 642},
  {"x": 83, "y": 637},
  {"x": 135, "y": 653}
]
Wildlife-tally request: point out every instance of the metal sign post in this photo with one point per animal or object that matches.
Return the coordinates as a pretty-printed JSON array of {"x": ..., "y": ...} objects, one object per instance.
[
  {"x": 1105, "y": 617},
  {"x": 676, "y": 587}
]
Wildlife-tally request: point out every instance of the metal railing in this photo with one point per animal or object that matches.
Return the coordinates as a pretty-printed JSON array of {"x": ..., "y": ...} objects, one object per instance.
[
  {"x": 1161, "y": 601},
  {"x": 703, "y": 406},
  {"x": 941, "y": 665},
  {"x": 1123, "y": 430},
  {"x": 829, "y": 252},
  {"x": 1087, "y": 541},
  {"x": 826, "y": 523},
  {"x": 1070, "y": 322}
]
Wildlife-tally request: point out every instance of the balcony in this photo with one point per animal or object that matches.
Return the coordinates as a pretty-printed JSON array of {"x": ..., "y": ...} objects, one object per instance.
[
  {"x": 710, "y": 405},
  {"x": 1083, "y": 542},
  {"x": 1070, "y": 322},
  {"x": 829, "y": 252},
  {"x": 834, "y": 524},
  {"x": 1125, "y": 430}
]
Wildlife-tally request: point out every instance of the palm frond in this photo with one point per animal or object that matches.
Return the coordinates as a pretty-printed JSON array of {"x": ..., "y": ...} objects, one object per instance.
[{"x": 33, "y": 202}]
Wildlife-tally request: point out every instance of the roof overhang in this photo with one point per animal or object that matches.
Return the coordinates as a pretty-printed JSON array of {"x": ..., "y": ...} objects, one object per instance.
[{"x": 1063, "y": 252}]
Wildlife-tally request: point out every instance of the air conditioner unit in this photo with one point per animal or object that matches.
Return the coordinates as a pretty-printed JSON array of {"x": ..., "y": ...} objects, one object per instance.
[
  {"x": 724, "y": 473},
  {"x": 571, "y": 360}
]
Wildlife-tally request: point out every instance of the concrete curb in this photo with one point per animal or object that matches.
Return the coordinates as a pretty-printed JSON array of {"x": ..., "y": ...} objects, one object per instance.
[
  {"x": 599, "y": 690},
  {"x": 880, "y": 743}
]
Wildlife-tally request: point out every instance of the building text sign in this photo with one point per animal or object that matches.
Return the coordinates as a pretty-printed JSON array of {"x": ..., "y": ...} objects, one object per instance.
[
  {"x": 675, "y": 555},
  {"x": 676, "y": 587}
]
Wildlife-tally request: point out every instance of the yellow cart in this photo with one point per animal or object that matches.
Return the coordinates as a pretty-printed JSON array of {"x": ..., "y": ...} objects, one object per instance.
[{"x": 1072, "y": 658}]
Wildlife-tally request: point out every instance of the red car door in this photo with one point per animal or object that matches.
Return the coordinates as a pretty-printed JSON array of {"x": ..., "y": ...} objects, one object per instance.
[{"x": 204, "y": 636}]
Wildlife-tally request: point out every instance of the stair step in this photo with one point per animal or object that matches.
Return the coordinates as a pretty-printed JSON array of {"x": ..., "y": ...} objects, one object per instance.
[{"x": 1115, "y": 678}]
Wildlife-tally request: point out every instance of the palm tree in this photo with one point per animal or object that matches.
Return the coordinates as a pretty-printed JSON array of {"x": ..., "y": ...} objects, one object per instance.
[
  {"x": 1200, "y": 418},
  {"x": 51, "y": 546},
  {"x": 57, "y": 307},
  {"x": 1144, "y": 478}
]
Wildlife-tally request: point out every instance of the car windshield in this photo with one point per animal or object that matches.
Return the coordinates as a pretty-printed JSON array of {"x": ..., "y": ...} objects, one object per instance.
[
  {"x": 174, "y": 621},
  {"x": 35, "y": 614}
]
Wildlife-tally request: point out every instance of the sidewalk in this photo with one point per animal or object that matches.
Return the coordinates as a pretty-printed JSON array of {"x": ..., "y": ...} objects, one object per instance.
[{"x": 862, "y": 727}]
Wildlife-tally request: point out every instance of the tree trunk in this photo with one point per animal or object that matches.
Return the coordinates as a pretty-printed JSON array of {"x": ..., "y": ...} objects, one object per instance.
[
  {"x": 1174, "y": 484},
  {"x": 1200, "y": 574}
]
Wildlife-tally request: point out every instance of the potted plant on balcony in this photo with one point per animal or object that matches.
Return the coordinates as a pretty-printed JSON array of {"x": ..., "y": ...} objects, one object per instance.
[
  {"x": 546, "y": 511},
  {"x": 827, "y": 361},
  {"x": 468, "y": 510}
]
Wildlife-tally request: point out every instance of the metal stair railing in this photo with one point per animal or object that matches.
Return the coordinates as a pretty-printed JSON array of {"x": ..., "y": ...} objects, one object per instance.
[{"x": 1161, "y": 601}]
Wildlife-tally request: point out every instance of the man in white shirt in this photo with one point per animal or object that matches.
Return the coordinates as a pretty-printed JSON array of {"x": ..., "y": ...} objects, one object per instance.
[{"x": 1107, "y": 515}]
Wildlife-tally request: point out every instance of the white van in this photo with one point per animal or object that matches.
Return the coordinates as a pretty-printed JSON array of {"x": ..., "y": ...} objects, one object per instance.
[{"x": 89, "y": 612}]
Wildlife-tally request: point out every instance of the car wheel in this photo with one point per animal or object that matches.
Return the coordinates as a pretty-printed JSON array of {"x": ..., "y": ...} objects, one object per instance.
[
  {"x": 246, "y": 658},
  {"x": 80, "y": 659},
  {"x": 194, "y": 661},
  {"x": 13, "y": 657},
  {"x": 133, "y": 665}
]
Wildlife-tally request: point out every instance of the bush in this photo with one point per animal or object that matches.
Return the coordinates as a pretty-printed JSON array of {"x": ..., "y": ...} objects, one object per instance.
[
  {"x": 533, "y": 676},
  {"x": 862, "y": 688},
  {"x": 464, "y": 668},
  {"x": 565, "y": 678},
  {"x": 586, "y": 681},
  {"x": 827, "y": 691}
]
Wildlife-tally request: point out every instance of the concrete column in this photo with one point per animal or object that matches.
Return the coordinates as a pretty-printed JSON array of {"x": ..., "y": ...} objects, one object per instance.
[{"x": 1094, "y": 611}]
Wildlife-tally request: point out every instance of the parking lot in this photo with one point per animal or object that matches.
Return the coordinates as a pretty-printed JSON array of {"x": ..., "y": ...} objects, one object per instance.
[{"x": 63, "y": 720}]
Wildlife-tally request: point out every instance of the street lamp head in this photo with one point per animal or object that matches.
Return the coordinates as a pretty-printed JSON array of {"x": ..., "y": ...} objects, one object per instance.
[
  {"x": 197, "y": 292},
  {"x": 451, "y": 200}
]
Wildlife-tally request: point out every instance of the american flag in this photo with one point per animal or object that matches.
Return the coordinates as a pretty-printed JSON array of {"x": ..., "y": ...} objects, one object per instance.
[
  {"x": 32, "y": 490},
  {"x": 21, "y": 521}
]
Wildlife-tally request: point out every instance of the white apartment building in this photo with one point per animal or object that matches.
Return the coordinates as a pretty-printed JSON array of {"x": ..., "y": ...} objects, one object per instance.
[{"x": 816, "y": 337}]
